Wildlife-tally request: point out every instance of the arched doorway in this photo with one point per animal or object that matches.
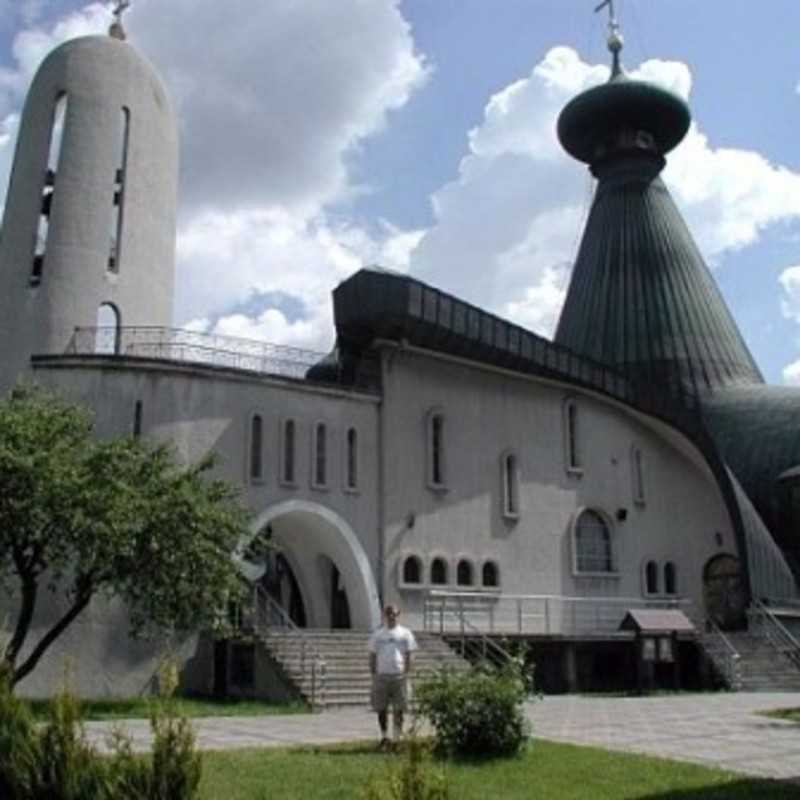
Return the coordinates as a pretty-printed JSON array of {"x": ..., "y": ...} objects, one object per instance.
[
  {"x": 723, "y": 592},
  {"x": 317, "y": 568}
]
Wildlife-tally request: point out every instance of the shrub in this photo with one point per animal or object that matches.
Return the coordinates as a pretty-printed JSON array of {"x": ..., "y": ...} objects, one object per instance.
[
  {"x": 20, "y": 751},
  {"x": 477, "y": 713},
  {"x": 415, "y": 779}
]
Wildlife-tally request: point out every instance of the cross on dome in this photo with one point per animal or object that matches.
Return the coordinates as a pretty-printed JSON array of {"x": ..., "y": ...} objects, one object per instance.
[
  {"x": 615, "y": 40},
  {"x": 118, "y": 9}
]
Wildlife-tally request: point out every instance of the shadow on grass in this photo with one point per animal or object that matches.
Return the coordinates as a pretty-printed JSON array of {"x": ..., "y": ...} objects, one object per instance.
[{"x": 744, "y": 789}]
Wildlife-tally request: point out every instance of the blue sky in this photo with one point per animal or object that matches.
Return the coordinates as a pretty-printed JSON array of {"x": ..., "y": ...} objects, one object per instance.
[{"x": 318, "y": 136}]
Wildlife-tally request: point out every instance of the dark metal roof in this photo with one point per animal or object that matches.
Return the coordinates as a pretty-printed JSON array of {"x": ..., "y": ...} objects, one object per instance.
[
  {"x": 641, "y": 299},
  {"x": 757, "y": 429},
  {"x": 592, "y": 120}
]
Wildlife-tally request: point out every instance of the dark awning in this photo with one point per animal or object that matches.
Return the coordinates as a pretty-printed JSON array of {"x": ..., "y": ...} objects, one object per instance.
[{"x": 656, "y": 621}]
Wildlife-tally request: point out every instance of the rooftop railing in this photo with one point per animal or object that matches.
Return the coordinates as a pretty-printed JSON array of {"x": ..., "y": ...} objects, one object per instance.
[{"x": 192, "y": 347}]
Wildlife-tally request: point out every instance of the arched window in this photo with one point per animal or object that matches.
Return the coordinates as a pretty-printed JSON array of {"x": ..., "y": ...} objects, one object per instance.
[
  {"x": 412, "y": 570},
  {"x": 670, "y": 578},
  {"x": 439, "y": 572},
  {"x": 651, "y": 578},
  {"x": 256, "y": 448},
  {"x": 510, "y": 484},
  {"x": 436, "y": 452},
  {"x": 351, "y": 466},
  {"x": 490, "y": 575},
  {"x": 593, "y": 546},
  {"x": 119, "y": 191},
  {"x": 320, "y": 455},
  {"x": 637, "y": 475},
  {"x": 464, "y": 573},
  {"x": 288, "y": 452},
  {"x": 48, "y": 190},
  {"x": 106, "y": 341},
  {"x": 572, "y": 452}
]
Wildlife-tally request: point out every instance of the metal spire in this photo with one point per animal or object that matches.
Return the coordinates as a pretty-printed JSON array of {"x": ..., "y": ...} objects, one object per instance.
[
  {"x": 116, "y": 30},
  {"x": 615, "y": 40}
]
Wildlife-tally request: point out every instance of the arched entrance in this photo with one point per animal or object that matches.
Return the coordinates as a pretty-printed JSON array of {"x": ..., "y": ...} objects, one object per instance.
[
  {"x": 318, "y": 570},
  {"x": 723, "y": 592}
]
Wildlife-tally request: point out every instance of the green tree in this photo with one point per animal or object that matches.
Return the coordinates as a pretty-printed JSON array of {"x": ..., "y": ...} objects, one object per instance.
[{"x": 113, "y": 517}]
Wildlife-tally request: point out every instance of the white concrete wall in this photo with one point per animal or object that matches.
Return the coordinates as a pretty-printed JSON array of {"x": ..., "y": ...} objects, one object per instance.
[
  {"x": 206, "y": 411},
  {"x": 487, "y": 413},
  {"x": 99, "y": 76}
]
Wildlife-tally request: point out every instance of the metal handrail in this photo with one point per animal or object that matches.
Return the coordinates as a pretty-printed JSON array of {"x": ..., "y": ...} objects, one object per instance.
[
  {"x": 312, "y": 664},
  {"x": 730, "y": 656},
  {"x": 187, "y": 346},
  {"x": 770, "y": 629},
  {"x": 541, "y": 614}
]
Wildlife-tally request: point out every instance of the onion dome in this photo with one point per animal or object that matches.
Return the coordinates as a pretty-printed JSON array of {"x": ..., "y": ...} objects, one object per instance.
[{"x": 641, "y": 298}]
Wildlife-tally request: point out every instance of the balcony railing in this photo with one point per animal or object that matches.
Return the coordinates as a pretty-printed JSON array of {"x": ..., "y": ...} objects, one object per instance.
[
  {"x": 185, "y": 346},
  {"x": 547, "y": 615}
]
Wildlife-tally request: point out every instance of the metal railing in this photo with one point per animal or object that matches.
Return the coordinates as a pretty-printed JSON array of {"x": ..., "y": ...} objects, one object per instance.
[
  {"x": 724, "y": 656},
  {"x": 764, "y": 624},
  {"x": 185, "y": 346},
  {"x": 495, "y": 614},
  {"x": 268, "y": 616}
]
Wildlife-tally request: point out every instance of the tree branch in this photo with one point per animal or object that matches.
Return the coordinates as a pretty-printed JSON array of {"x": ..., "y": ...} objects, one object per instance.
[
  {"x": 81, "y": 601},
  {"x": 24, "y": 619}
]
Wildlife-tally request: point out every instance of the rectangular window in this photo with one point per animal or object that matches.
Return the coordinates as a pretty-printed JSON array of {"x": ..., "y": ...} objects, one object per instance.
[
  {"x": 119, "y": 192},
  {"x": 352, "y": 459},
  {"x": 256, "y": 448},
  {"x": 287, "y": 464}
]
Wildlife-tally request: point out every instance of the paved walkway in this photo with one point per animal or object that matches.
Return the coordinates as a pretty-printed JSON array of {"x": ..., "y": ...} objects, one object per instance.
[{"x": 720, "y": 730}]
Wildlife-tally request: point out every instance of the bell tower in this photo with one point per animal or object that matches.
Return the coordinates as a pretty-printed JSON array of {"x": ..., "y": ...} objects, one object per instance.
[{"x": 89, "y": 226}]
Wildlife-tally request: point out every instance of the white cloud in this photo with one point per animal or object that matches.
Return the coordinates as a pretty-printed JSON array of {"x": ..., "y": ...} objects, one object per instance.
[
  {"x": 511, "y": 221},
  {"x": 281, "y": 93},
  {"x": 791, "y": 374},
  {"x": 789, "y": 280}
]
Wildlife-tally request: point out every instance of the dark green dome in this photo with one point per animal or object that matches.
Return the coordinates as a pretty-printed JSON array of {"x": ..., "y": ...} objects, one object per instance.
[{"x": 594, "y": 120}]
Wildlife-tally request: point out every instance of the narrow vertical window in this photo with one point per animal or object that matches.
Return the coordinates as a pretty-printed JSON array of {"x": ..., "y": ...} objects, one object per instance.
[
  {"x": 435, "y": 446},
  {"x": 287, "y": 465},
  {"x": 651, "y": 578},
  {"x": 637, "y": 475},
  {"x": 48, "y": 190},
  {"x": 571, "y": 432},
  {"x": 107, "y": 332},
  {"x": 352, "y": 459},
  {"x": 256, "y": 448},
  {"x": 412, "y": 570},
  {"x": 320, "y": 454},
  {"x": 137, "y": 419},
  {"x": 670, "y": 578},
  {"x": 510, "y": 484},
  {"x": 120, "y": 173}
]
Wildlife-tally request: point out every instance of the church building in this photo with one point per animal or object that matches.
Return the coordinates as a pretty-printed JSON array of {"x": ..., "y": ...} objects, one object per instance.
[{"x": 487, "y": 480}]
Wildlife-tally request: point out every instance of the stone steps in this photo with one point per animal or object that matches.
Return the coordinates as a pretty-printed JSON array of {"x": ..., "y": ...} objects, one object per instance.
[
  {"x": 761, "y": 667},
  {"x": 347, "y": 678}
]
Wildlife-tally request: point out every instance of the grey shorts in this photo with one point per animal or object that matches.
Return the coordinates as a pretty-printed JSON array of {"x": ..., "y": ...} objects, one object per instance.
[{"x": 389, "y": 690}]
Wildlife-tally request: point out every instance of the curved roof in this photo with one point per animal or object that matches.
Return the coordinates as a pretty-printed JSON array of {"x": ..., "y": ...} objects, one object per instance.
[
  {"x": 596, "y": 115},
  {"x": 757, "y": 429},
  {"x": 641, "y": 299}
]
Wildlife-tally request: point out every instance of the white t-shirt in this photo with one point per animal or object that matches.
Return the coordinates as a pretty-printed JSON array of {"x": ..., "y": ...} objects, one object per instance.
[{"x": 390, "y": 646}]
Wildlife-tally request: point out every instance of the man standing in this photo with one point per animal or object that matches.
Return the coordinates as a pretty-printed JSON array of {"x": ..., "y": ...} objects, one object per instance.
[{"x": 390, "y": 649}]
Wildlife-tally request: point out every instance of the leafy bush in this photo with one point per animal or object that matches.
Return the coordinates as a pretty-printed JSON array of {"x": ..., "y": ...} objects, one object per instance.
[
  {"x": 415, "y": 779},
  {"x": 58, "y": 763},
  {"x": 20, "y": 748},
  {"x": 477, "y": 713}
]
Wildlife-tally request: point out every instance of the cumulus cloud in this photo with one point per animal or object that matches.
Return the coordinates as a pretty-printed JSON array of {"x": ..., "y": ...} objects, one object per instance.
[
  {"x": 281, "y": 95},
  {"x": 508, "y": 227}
]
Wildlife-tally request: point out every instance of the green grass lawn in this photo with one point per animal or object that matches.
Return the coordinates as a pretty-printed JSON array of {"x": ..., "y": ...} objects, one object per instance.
[
  {"x": 547, "y": 771},
  {"x": 139, "y": 708},
  {"x": 792, "y": 714}
]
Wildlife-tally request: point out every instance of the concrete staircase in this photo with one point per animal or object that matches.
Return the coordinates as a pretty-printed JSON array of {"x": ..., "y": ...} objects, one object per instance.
[
  {"x": 762, "y": 667},
  {"x": 347, "y": 679}
]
